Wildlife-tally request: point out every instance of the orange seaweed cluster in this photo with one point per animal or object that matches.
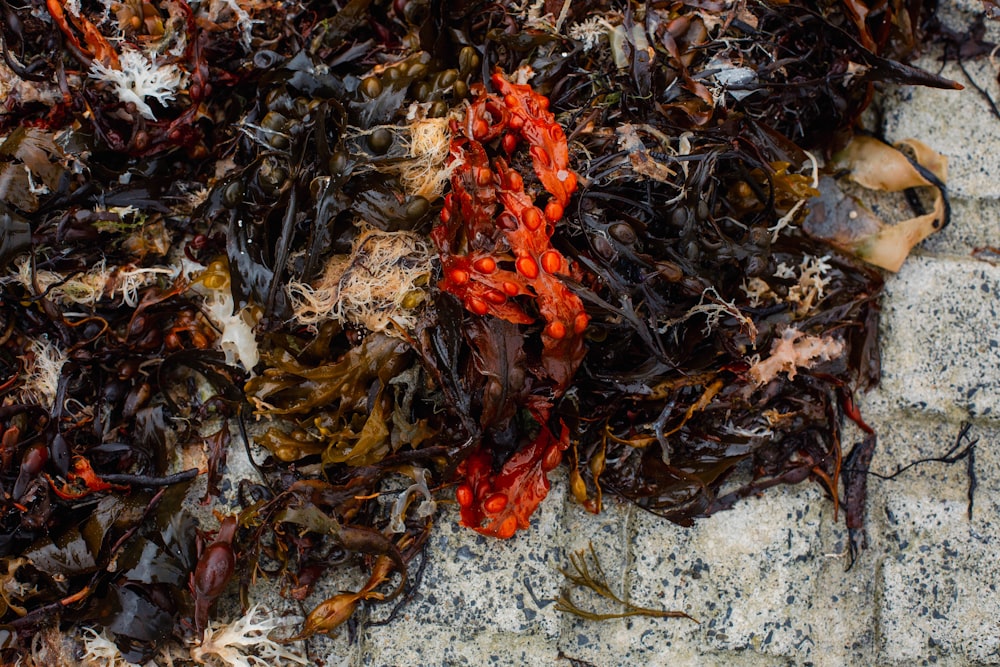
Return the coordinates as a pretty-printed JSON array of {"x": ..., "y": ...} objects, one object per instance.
[
  {"x": 490, "y": 257},
  {"x": 495, "y": 246}
]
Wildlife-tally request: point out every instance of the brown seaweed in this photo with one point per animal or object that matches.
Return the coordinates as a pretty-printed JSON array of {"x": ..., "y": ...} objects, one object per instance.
[{"x": 604, "y": 268}]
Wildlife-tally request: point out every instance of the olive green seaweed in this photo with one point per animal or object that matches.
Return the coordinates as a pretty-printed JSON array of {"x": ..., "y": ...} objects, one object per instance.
[{"x": 593, "y": 577}]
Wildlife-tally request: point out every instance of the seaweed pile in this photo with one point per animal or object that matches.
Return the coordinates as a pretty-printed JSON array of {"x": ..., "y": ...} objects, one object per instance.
[{"x": 422, "y": 250}]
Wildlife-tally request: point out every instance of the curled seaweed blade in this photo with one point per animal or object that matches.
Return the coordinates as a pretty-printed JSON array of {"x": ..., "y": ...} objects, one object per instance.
[{"x": 845, "y": 222}]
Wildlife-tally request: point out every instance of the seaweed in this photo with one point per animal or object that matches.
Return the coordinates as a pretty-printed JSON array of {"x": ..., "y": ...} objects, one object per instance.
[
  {"x": 438, "y": 250},
  {"x": 591, "y": 576}
]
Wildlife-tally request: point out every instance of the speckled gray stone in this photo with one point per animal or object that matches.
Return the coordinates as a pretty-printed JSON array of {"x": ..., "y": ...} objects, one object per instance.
[
  {"x": 936, "y": 569},
  {"x": 488, "y": 585},
  {"x": 941, "y": 343},
  {"x": 975, "y": 226},
  {"x": 766, "y": 578},
  {"x": 939, "y": 591},
  {"x": 437, "y": 645}
]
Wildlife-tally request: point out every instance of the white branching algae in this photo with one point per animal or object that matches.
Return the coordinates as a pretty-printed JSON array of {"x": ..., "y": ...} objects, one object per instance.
[
  {"x": 231, "y": 12},
  {"x": 425, "y": 143},
  {"x": 714, "y": 308},
  {"x": 807, "y": 291},
  {"x": 100, "y": 651},
  {"x": 100, "y": 282},
  {"x": 379, "y": 285},
  {"x": 246, "y": 642},
  {"x": 140, "y": 78},
  {"x": 811, "y": 285},
  {"x": 590, "y": 32},
  {"x": 42, "y": 368},
  {"x": 425, "y": 174}
]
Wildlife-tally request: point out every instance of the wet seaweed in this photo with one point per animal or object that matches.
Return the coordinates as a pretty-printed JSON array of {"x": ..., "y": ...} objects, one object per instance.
[{"x": 436, "y": 249}]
